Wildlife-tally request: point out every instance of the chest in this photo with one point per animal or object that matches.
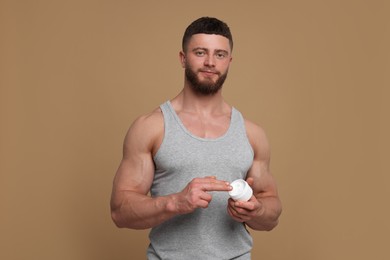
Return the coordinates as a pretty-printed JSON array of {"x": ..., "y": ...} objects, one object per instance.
[
  {"x": 205, "y": 126},
  {"x": 183, "y": 158}
]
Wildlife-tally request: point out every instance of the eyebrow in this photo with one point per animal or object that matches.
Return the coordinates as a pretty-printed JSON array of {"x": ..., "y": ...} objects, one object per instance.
[{"x": 205, "y": 49}]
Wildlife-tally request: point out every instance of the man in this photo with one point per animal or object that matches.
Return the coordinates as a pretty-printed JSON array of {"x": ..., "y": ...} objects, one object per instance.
[{"x": 186, "y": 153}]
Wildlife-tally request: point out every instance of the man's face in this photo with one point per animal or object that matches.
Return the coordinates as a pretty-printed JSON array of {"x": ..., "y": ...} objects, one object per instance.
[{"x": 206, "y": 62}]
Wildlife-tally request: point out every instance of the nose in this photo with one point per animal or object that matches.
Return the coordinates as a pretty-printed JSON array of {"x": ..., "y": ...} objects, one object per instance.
[{"x": 209, "y": 61}]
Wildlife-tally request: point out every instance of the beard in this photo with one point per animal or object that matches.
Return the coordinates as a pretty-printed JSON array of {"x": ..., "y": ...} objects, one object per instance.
[{"x": 206, "y": 87}]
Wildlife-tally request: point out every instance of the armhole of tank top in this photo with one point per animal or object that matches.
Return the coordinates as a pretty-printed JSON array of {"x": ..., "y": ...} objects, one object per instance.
[
  {"x": 163, "y": 112},
  {"x": 242, "y": 122}
]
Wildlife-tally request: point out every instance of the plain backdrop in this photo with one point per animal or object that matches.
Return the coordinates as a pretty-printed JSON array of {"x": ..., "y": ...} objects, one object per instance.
[{"x": 75, "y": 74}]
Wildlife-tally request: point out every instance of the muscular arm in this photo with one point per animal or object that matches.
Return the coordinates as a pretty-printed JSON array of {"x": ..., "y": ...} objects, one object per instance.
[
  {"x": 131, "y": 207},
  {"x": 262, "y": 211}
]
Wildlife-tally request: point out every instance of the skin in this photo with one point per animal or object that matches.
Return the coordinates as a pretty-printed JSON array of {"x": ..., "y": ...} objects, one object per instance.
[{"x": 207, "y": 116}]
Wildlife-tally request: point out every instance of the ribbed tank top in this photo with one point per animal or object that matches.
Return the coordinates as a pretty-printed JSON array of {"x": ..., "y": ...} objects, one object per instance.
[{"x": 208, "y": 233}]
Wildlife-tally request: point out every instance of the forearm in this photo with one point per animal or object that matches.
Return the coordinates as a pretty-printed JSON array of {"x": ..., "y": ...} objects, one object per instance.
[
  {"x": 268, "y": 217},
  {"x": 138, "y": 211}
]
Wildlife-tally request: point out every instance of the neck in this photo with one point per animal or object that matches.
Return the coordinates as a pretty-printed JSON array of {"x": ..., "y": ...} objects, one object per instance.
[{"x": 188, "y": 100}]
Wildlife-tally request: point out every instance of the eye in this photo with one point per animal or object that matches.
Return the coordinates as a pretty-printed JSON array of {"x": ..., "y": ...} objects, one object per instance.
[
  {"x": 221, "y": 55},
  {"x": 200, "y": 53}
]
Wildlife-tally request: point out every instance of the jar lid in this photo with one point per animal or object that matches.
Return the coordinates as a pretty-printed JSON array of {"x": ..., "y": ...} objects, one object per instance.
[{"x": 241, "y": 190}]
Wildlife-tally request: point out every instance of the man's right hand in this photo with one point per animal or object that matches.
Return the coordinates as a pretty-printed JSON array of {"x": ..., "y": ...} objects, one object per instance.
[{"x": 195, "y": 194}]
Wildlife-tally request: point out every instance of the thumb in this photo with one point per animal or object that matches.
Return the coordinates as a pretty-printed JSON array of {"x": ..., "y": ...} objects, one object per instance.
[{"x": 250, "y": 181}]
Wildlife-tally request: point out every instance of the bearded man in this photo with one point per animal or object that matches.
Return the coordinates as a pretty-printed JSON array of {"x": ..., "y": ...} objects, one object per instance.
[{"x": 186, "y": 153}]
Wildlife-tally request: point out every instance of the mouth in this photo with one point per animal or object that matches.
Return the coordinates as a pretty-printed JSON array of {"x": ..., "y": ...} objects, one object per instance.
[{"x": 209, "y": 72}]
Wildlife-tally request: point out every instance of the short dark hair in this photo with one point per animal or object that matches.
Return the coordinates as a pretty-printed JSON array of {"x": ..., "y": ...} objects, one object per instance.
[{"x": 207, "y": 25}]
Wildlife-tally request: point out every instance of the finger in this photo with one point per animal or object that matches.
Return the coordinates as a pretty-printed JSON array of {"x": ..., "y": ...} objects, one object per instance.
[
  {"x": 235, "y": 215},
  {"x": 242, "y": 211},
  {"x": 212, "y": 184},
  {"x": 204, "y": 200},
  {"x": 250, "y": 181},
  {"x": 237, "y": 210},
  {"x": 232, "y": 212},
  {"x": 216, "y": 186},
  {"x": 203, "y": 203},
  {"x": 206, "y": 196},
  {"x": 245, "y": 205}
]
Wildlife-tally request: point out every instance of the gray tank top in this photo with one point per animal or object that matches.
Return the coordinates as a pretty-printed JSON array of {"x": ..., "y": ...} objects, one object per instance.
[{"x": 205, "y": 233}]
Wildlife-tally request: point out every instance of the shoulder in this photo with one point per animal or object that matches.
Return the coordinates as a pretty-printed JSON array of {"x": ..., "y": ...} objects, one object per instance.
[
  {"x": 257, "y": 138},
  {"x": 145, "y": 131},
  {"x": 144, "y": 122}
]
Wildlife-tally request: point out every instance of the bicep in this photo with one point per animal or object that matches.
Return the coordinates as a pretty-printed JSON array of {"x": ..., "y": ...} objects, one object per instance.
[
  {"x": 136, "y": 170},
  {"x": 132, "y": 179},
  {"x": 264, "y": 183},
  {"x": 135, "y": 173}
]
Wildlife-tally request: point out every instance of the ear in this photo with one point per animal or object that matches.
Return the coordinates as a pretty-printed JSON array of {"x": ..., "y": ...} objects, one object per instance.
[{"x": 182, "y": 58}]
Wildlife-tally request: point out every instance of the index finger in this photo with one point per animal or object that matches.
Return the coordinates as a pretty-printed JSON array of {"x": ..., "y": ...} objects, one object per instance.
[{"x": 216, "y": 185}]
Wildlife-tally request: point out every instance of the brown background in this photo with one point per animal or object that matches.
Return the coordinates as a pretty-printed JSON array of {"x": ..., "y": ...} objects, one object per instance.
[{"x": 75, "y": 74}]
